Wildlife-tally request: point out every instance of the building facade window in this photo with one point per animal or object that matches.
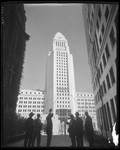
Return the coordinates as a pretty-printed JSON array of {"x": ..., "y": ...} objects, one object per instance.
[
  {"x": 104, "y": 60},
  {"x": 108, "y": 82},
  {"x": 104, "y": 87},
  {"x": 107, "y": 52},
  {"x": 106, "y": 13},
  {"x": 101, "y": 69},
  {"x": 102, "y": 30},
  {"x": 109, "y": 115},
  {"x": 113, "y": 110},
  {"x": 99, "y": 13},
  {"x": 112, "y": 75},
  {"x": 97, "y": 24},
  {"x": 100, "y": 39},
  {"x": 112, "y": 37}
]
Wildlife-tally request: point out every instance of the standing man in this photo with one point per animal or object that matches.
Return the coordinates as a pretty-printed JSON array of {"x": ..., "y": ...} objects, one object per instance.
[
  {"x": 79, "y": 130},
  {"x": 89, "y": 129},
  {"x": 71, "y": 130},
  {"x": 49, "y": 128},
  {"x": 29, "y": 130},
  {"x": 37, "y": 131}
]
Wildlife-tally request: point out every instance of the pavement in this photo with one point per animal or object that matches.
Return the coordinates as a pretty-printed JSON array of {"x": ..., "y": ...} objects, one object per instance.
[{"x": 57, "y": 141}]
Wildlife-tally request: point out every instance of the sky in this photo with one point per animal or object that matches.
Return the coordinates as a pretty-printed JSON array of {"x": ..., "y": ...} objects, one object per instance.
[{"x": 43, "y": 22}]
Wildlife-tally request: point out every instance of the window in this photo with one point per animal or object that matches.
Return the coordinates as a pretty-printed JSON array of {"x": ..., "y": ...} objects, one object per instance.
[
  {"x": 96, "y": 43},
  {"x": 113, "y": 109},
  {"x": 104, "y": 87},
  {"x": 99, "y": 13},
  {"x": 100, "y": 39},
  {"x": 109, "y": 115},
  {"x": 101, "y": 69},
  {"x": 104, "y": 60},
  {"x": 107, "y": 52},
  {"x": 112, "y": 37},
  {"x": 97, "y": 25},
  {"x": 103, "y": 29},
  {"x": 108, "y": 82},
  {"x": 116, "y": 21},
  {"x": 112, "y": 75},
  {"x": 106, "y": 13}
]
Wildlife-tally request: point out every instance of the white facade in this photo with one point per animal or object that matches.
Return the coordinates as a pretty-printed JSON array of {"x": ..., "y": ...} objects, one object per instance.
[
  {"x": 60, "y": 83},
  {"x": 30, "y": 101},
  {"x": 86, "y": 102}
]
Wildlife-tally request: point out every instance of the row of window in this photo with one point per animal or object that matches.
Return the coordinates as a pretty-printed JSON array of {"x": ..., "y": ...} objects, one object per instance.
[
  {"x": 63, "y": 102},
  {"x": 110, "y": 80},
  {"x": 84, "y": 95},
  {"x": 31, "y": 93},
  {"x": 64, "y": 72},
  {"x": 29, "y": 106},
  {"x": 61, "y": 44},
  {"x": 105, "y": 59},
  {"x": 87, "y": 110},
  {"x": 62, "y": 97},
  {"x": 30, "y": 102},
  {"x": 64, "y": 94},
  {"x": 30, "y": 110},
  {"x": 61, "y": 63},
  {"x": 112, "y": 38},
  {"x": 34, "y": 98},
  {"x": 85, "y": 99},
  {"x": 109, "y": 109},
  {"x": 63, "y": 105},
  {"x": 61, "y": 53},
  {"x": 85, "y": 103}
]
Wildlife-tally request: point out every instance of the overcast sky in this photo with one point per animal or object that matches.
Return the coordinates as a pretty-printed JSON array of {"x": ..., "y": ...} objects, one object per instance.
[{"x": 43, "y": 22}]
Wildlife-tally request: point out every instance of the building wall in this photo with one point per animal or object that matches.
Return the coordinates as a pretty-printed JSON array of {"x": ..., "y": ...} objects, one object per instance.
[
  {"x": 85, "y": 102},
  {"x": 30, "y": 101},
  {"x": 101, "y": 36},
  {"x": 49, "y": 100}
]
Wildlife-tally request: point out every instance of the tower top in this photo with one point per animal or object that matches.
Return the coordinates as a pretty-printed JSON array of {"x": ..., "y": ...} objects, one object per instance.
[{"x": 59, "y": 36}]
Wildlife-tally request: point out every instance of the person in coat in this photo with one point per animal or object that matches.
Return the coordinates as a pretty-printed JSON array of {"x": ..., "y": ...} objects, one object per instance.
[
  {"x": 71, "y": 130},
  {"x": 49, "y": 128},
  {"x": 29, "y": 130},
  {"x": 79, "y": 130},
  {"x": 89, "y": 129},
  {"x": 37, "y": 131}
]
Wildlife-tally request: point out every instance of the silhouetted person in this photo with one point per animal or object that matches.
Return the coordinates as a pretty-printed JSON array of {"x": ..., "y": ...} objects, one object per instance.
[
  {"x": 89, "y": 129},
  {"x": 29, "y": 130},
  {"x": 37, "y": 131},
  {"x": 49, "y": 128},
  {"x": 79, "y": 130},
  {"x": 71, "y": 130}
]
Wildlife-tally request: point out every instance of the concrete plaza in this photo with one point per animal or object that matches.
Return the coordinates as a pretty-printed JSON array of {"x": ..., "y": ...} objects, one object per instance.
[{"x": 57, "y": 141}]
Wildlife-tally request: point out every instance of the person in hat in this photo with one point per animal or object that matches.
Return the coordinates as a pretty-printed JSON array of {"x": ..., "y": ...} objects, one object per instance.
[
  {"x": 37, "y": 131},
  {"x": 89, "y": 129},
  {"x": 49, "y": 128},
  {"x": 79, "y": 130},
  {"x": 71, "y": 130},
  {"x": 29, "y": 129}
]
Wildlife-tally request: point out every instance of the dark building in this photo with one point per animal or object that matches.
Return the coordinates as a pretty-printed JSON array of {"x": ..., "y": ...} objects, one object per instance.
[
  {"x": 14, "y": 39},
  {"x": 101, "y": 29}
]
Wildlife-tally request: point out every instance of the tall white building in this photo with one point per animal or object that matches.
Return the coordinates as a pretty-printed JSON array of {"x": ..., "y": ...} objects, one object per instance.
[
  {"x": 60, "y": 83},
  {"x": 30, "y": 101},
  {"x": 86, "y": 102}
]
